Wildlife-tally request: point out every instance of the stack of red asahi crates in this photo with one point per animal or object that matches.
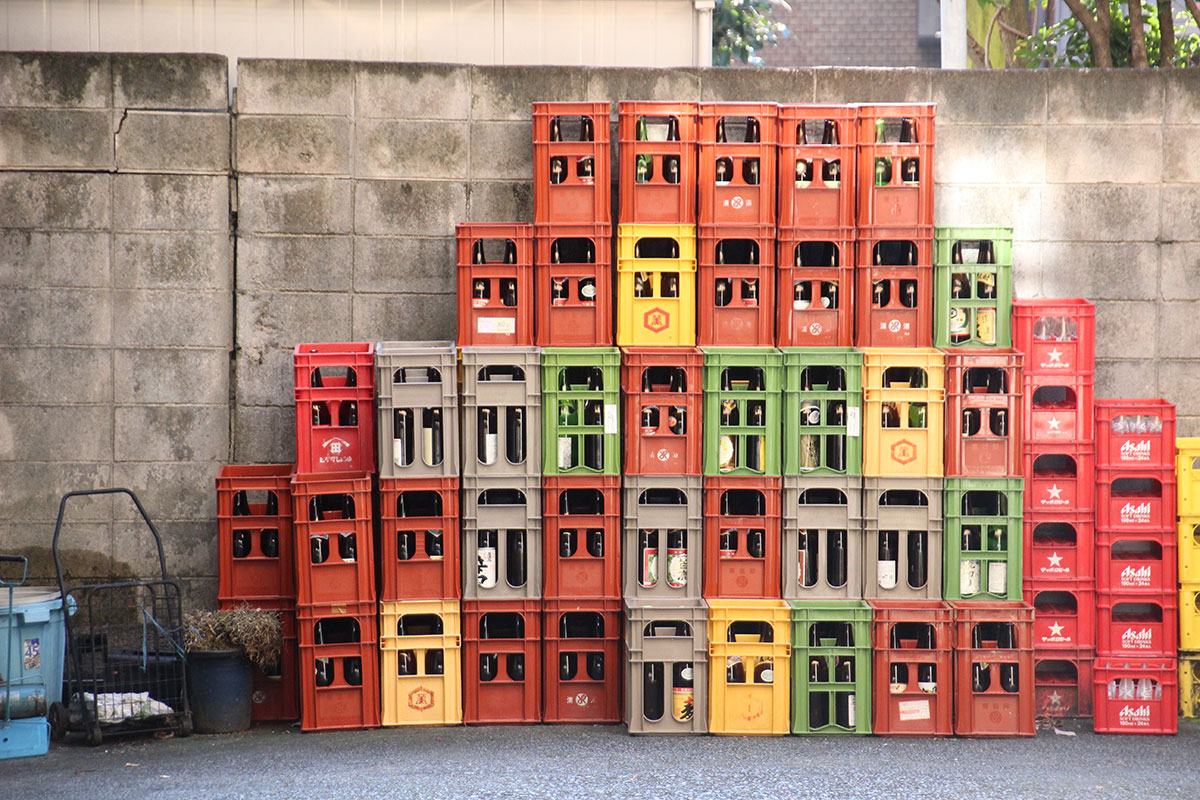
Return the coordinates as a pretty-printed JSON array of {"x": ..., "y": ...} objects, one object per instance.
[{"x": 1058, "y": 338}]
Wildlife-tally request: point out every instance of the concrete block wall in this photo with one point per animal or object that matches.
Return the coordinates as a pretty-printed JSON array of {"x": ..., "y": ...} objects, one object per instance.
[{"x": 851, "y": 33}]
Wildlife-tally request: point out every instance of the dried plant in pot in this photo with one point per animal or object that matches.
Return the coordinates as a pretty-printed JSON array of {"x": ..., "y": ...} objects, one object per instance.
[{"x": 221, "y": 648}]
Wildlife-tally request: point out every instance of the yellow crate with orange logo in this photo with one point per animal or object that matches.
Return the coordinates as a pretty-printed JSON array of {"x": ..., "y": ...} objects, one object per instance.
[
  {"x": 904, "y": 409},
  {"x": 656, "y": 285},
  {"x": 750, "y": 651},
  {"x": 420, "y": 667}
]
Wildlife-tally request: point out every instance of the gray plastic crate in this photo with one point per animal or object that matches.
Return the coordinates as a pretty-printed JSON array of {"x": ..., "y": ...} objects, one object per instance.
[
  {"x": 664, "y": 646},
  {"x": 883, "y": 514},
  {"x": 506, "y": 506},
  {"x": 652, "y": 503},
  {"x": 822, "y": 507},
  {"x": 501, "y": 411},
  {"x": 416, "y": 390}
]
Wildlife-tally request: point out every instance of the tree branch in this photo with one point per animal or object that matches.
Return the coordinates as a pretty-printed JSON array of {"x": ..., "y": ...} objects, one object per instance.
[
  {"x": 1194, "y": 7},
  {"x": 1137, "y": 36},
  {"x": 1166, "y": 24},
  {"x": 1098, "y": 29}
]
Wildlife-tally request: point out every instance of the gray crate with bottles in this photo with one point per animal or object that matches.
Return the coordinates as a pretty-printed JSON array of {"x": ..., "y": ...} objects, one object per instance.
[
  {"x": 666, "y": 672},
  {"x": 501, "y": 411},
  {"x": 902, "y": 520},
  {"x": 416, "y": 388},
  {"x": 823, "y": 539},
  {"x": 502, "y": 538},
  {"x": 663, "y": 531}
]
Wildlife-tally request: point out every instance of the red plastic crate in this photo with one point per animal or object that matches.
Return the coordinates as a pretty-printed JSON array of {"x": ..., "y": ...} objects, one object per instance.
[
  {"x": 742, "y": 540},
  {"x": 913, "y": 641},
  {"x": 1135, "y": 433},
  {"x": 1060, "y": 478},
  {"x": 254, "y": 547},
  {"x": 817, "y": 180},
  {"x": 1137, "y": 625},
  {"x": 1064, "y": 616},
  {"x": 1057, "y": 336},
  {"x": 657, "y": 384},
  {"x": 1058, "y": 409},
  {"x": 582, "y": 660},
  {"x": 894, "y": 287},
  {"x": 491, "y": 646},
  {"x": 572, "y": 179},
  {"x": 736, "y": 286},
  {"x": 1135, "y": 500},
  {"x": 335, "y": 560},
  {"x": 737, "y": 177},
  {"x": 339, "y": 679},
  {"x": 983, "y": 413},
  {"x": 1156, "y": 714},
  {"x": 905, "y": 193},
  {"x": 667, "y": 192},
  {"x": 1059, "y": 548},
  {"x": 495, "y": 283},
  {"x": 418, "y": 519},
  {"x": 275, "y": 697},
  {"x": 1063, "y": 683},
  {"x": 815, "y": 303},
  {"x": 574, "y": 276},
  {"x": 994, "y": 683},
  {"x": 1136, "y": 563},
  {"x": 581, "y": 520},
  {"x": 335, "y": 418}
]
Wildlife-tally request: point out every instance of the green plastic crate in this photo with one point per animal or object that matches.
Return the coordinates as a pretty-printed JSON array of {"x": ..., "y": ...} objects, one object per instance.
[
  {"x": 798, "y": 403},
  {"x": 765, "y": 364},
  {"x": 964, "y": 312},
  {"x": 852, "y": 617},
  {"x": 992, "y": 564},
  {"x": 581, "y": 426}
]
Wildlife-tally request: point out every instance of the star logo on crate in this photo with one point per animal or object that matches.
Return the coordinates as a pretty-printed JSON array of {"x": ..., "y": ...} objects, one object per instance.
[
  {"x": 656, "y": 320},
  {"x": 1055, "y": 355},
  {"x": 1055, "y": 559},
  {"x": 1054, "y": 424},
  {"x": 1054, "y": 492},
  {"x": 1056, "y": 629},
  {"x": 1055, "y": 700},
  {"x": 420, "y": 699},
  {"x": 904, "y": 452}
]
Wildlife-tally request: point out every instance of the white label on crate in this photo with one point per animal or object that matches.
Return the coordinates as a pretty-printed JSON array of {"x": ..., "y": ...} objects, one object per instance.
[
  {"x": 1138, "y": 514},
  {"x": 506, "y": 325},
  {"x": 1137, "y": 640},
  {"x": 1130, "y": 717},
  {"x": 1135, "y": 451},
  {"x": 1054, "y": 497},
  {"x": 853, "y": 421},
  {"x": 612, "y": 419},
  {"x": 31, "y": 652},
  {"x": 914, "y": 709},
  {"x": 1135, "y": 577}
]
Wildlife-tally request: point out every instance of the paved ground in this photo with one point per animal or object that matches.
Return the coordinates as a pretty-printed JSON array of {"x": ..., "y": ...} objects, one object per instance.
[{"x": 602, "y": 761}]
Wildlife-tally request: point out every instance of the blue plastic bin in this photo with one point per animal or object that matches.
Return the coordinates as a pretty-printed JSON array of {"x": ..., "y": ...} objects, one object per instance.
[{"x": 32, "y": 654}]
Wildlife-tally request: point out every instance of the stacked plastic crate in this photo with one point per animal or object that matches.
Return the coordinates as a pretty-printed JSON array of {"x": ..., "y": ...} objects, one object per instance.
[
  {"x": 334, "y": 543},
  {"x": 419, "y": 548},
  {"x": 1136, "y": 568},
  {"x": 1187, "y": 483},
  {"x": 1058, "y": 340}
]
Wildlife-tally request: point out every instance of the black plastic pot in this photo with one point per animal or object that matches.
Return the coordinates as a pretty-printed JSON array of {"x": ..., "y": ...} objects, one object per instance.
[{"x": 220, "y": 683}]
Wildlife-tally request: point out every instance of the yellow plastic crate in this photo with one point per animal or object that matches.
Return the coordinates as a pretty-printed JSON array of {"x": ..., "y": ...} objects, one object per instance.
[
  {"x": 631, "y": 243},
  {"x": 1188, "y": 534},
  {"x": 1187, "y": 476},
  {"x": 757, "y": 702},
  {"x": 656, "y": 320},
  {"x": 422, "y": 696},
  {"x": 900, "y": 449},
  {"x": 1189, "y": 684},
  {"x": 1189, "y": 616}
]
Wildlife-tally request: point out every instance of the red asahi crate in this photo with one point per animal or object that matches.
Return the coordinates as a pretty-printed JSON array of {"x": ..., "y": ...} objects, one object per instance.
[
  {"x": 1063, "y": 682},
  {"x": 254, "y": 532},
  {"x": 815, "y": 303},
  {"x": 994, "y": 678},
  {"x": 275, "y": 695},
  {"x": 737, "y": 164},
  {"x": 572, "y": 179},
  {"x": 573, "y": 270},
  {"x": 1137, "y": 625},
  {"x": 742, "y": 540},
  {"x": 1136, "y": 695},
  {"x": 895, "y": 164},
  {"x": 1064, "y": 615},
  {"x": 1139, "y": 434},
  {"x": 1059, "y": 548},
  {"x": 1136, "y": 563},
  {"x": 1060, "y": 478},
  {"x": 419, "y": 546},
  {"x": 914, "y": 668},
  {"x": 1135, "y": 500},
  {"x": 661, "y": 387},
  {"x": 502, "y": 666},
  {"x": 581, "y": 524},
  {"x": 817, "y": 170},
  {"x": 495, "y": 283},
  {"x": 335, "y": 560},
  {"x": 1058, "y": 409},
  {"x": 335, "y": 420},
  {"x": 339, "y": 666},
  {"x": 1057, "y": 336},
  {"x": 657, "y": 162},
  {"x": 983, "y": 413},
  {"x": 894, "y": 287},
  {"x": 582, "y": 660},
  {"x": 736, "y": 286}
]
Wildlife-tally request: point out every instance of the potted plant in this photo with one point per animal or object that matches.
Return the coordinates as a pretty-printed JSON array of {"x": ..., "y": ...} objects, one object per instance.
[{"x": 222, "y": 647}]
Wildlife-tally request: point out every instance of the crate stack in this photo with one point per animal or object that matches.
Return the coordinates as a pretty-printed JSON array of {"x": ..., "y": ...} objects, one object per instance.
[
  {"x": 419, "y": 548},
  {"x": 1137, "y": 619},
  {"x": 1187, "y": 509},
  {"x": 333, "y": 523},
  {"x": 1058, "y": 340}
]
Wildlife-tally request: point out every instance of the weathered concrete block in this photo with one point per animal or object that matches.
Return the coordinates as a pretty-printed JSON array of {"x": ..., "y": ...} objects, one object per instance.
[
  {"x": 502, "y": 150},
  {"x": 400, "y": 149},
  {"x": 48, "y": 375},
  {"x": 413, "y": 91},
  {"x": 167, "y": 141},
  {"x": 616, "y": 84},
  {"x": 177, "y": 490},
  {"x": 171, "y": 433},
  {"x": 41, "y": 200},
  {"x": 404, "y": 265},
  {"x": 500, "y": 201},
  {"x": 56, "y": 80},
  {"x": 188, "y": 547},
  {"x": 1105, "y": 96},
  {"x": 55, "y": 139},
  {"x": 1123, "y": 330},
  {"x": 1181, "y": 213},
  {"x": 1176, "y": 329},
  {"x": 509, "y": 92},
  {"x": 1126, "y": 378},
  {"x": 198, "y": 594},
  {"x": 719, "y": 84},
  {"x": 295, "y": 205},
  {"x": 171, "y": 202},
  {"x": 293, "y": 145},
  {"x": 989, "y": 97},
  {"x": 1111, "y": 271},
  {"x": 421, "y": 208},
  {"x": 265, "y": 373},
  {"x": 1187, "y": 426},
  {"x": 1028, "y": 268},
  {"x": 1179, "y": 382},
  {"x": 56, "y": 433},
  {"x": 379, "y": 317},
  {"x": 1017, "y": 206},
  {"x": 268, "y": 86},
  {"x": 60, "y": 259},
  {"x": 1180, "y": 164},
  {"x": 264, "y": 434},
  {"x": 172, "y": 260},
  {"x": 171, "y": 375},
  {"x": 300, "y": 263},
  {"x": 171, "y": 80},
  {"x": 1109, "y": 213},
  {"x": 270, "y": 319},
  {"x": 1182, "y": 86},
  {"x": 86, "y": 549},
  {"x": 873, "y": 85},
  {"x": 77, "y": 316},
  {"x": 162, "y": 318},
  {"x": 1126, "y": 154},
  {"x": 1180, "y": 271},
  {"x": 32, "y": 490},
  {"x": 977, "y": 154}
]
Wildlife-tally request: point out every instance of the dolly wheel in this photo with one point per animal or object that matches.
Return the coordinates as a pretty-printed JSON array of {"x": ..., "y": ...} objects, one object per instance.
[
  {"x": 94, "y": 735},
  {"x": 60, "y": 721}
]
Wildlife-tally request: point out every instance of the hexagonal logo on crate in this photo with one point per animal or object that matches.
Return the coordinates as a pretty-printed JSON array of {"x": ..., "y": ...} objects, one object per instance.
[
  {"x": 904, "y": 452},
  {"x": 420, "y": 699},
  {"x": 656, "y": 320}
]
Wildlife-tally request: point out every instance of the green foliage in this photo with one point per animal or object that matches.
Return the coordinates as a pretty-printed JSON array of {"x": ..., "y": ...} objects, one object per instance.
[
  {"x": 1066, "y": 44},
  {"x": 743, "y": 27}
]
